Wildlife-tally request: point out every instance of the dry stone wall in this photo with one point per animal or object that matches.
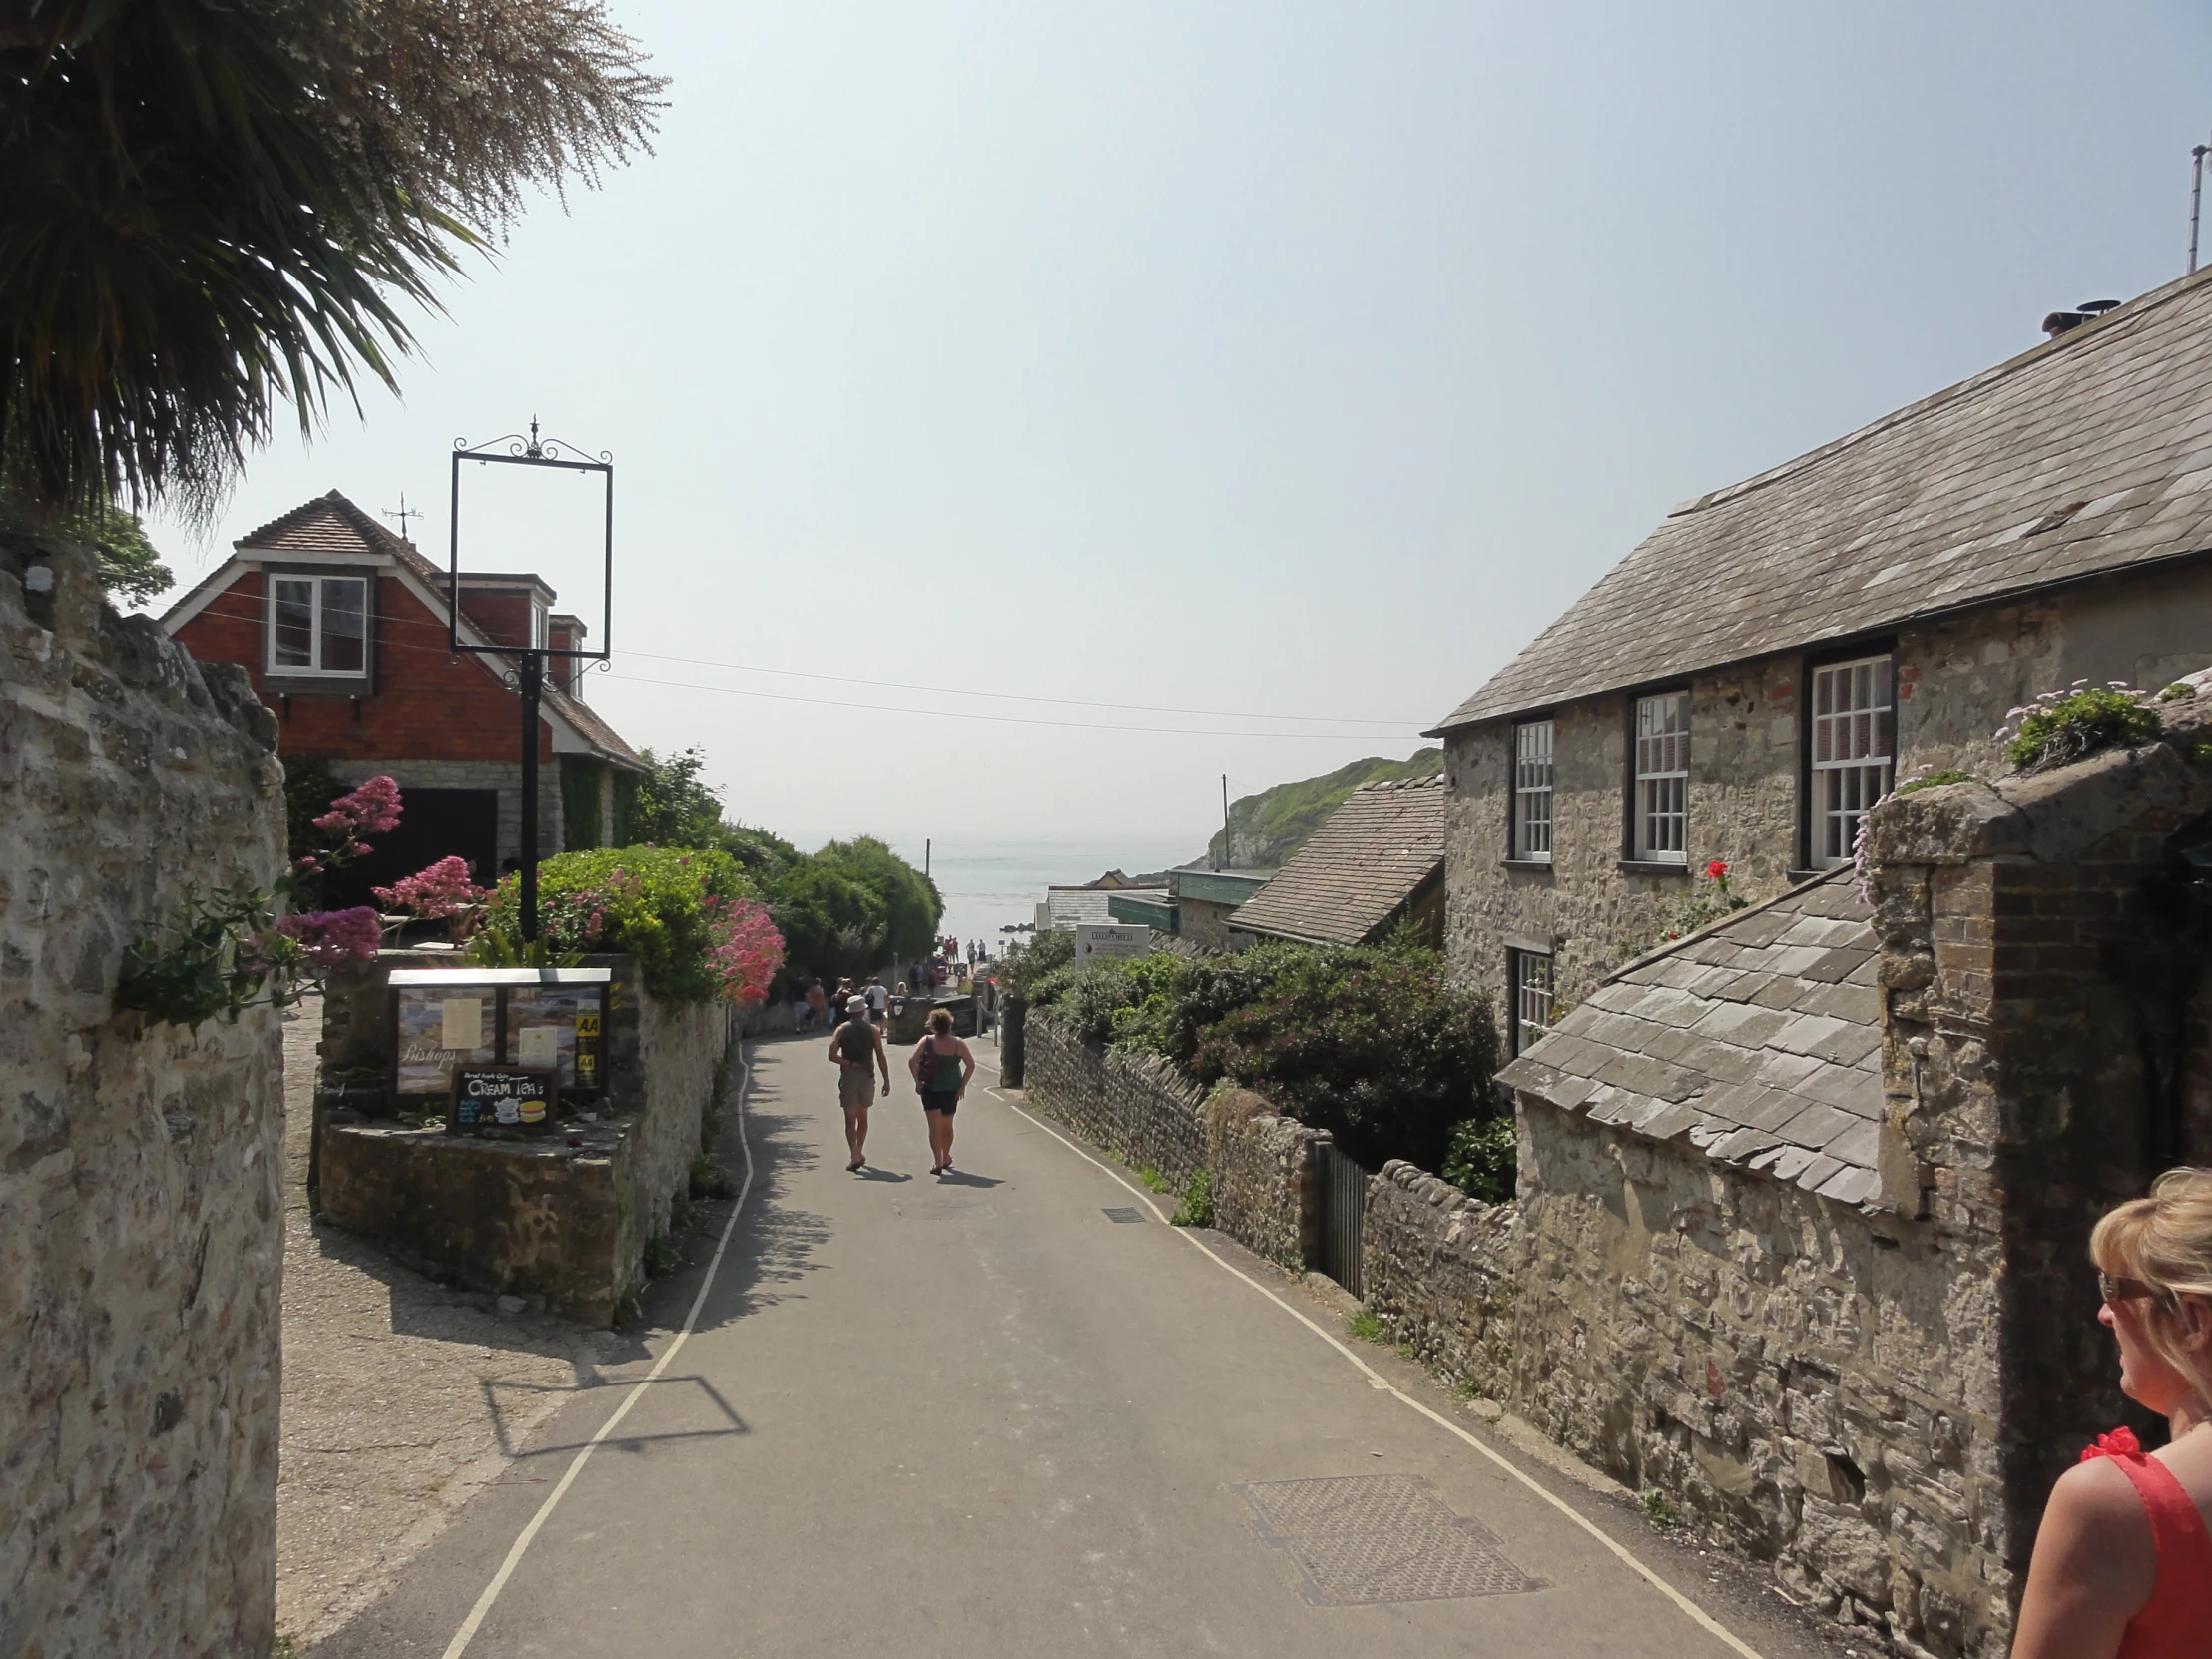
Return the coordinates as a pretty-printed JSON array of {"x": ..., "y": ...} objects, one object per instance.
[
  {"x": 1262, "y": 1175},
  {"x": 140, "y": 1238},
  {"x": 1439, "y": 1267},
  {"x": 1142, "y": 1109}
]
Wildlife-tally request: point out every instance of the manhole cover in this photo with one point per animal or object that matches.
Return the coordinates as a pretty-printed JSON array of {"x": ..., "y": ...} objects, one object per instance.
[
  {"x": 1380, "y": 1537},
  {"x": 1124, "y": 1215}
]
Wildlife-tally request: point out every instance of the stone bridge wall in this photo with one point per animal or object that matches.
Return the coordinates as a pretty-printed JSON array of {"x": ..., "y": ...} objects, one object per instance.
[
  {"x": 1141, "y": 1110},
  {"x": 142, "y": 1247}
]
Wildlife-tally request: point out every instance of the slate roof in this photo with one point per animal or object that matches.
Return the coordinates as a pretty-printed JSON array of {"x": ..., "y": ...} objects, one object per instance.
[
  {"x": 1372, "y": 856},
  {"x": 2090, "y": 453},
  {"x": 331, "y": 524},
  {"x": 1759, "y": 1038},
  {"x": 1072, "y": 906}
]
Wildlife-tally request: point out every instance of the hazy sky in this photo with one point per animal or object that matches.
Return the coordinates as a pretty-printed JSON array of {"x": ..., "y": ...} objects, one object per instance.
[{"x": 1276, "y": 359}]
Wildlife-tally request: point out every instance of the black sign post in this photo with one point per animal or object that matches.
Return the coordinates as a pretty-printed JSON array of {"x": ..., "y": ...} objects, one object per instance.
[{"x": 529, "y": 681}]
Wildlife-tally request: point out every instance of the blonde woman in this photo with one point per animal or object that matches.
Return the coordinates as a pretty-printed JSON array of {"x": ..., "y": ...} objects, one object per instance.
[
  {"x": 2123, "y": 1561},
  {"x": 941, "y": 1066}
]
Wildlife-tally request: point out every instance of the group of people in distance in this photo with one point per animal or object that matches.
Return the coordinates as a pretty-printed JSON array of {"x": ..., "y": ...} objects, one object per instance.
[
  {"x": 815, "y": 1006},
  {"x": 940, "y": 1066}
]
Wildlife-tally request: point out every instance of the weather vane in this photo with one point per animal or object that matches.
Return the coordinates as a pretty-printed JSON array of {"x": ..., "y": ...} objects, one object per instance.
[{"x": 404, "y": 513}]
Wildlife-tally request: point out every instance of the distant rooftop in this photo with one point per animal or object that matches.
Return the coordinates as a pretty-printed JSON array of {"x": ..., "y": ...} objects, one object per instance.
[{"x": 1372, "y": 856}]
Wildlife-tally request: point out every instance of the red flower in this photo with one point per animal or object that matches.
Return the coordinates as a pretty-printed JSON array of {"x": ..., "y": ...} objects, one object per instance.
[
  {"x": 2121, "y": 1442},
  {"x": 1716, "y": 869}
]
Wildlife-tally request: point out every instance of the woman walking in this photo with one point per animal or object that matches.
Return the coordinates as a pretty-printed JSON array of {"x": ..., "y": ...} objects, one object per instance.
[
  {"x": 941, "y": 1065},
  {"x": 2123, "y": 1561}
]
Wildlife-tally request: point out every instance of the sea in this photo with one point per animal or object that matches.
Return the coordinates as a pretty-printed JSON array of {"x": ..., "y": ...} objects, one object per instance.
[{"x": 990, "y": 884}]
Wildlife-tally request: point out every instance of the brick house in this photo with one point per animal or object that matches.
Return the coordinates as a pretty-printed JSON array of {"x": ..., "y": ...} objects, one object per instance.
[
  {"x": 1776, "y": 654},
  {"x": 342, "y": 626}
]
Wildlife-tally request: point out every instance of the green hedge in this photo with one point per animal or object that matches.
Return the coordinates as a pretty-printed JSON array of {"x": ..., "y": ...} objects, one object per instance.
[
  {"x": 1368, "y": 1042},
  {"x": 647, "y": 900}
]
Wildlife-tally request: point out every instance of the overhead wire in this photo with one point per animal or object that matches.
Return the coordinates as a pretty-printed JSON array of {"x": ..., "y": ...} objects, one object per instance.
[{"x": 255, "y": 617}]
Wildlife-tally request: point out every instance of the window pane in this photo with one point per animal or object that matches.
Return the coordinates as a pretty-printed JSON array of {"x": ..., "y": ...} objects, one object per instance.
[
  {"x": 1853, "y": 739},
  {"x": 291, "y": 641},
  {"x": 1533, "y": 778},
  {"x": 344, "y": 625},
  {"x": 1531, "y": 998}
]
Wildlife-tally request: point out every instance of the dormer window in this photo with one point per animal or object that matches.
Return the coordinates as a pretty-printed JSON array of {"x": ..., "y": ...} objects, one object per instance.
[{"x": 318, "y": 625}]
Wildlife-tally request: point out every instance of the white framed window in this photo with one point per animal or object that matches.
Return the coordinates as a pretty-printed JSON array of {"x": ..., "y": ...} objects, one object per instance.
[
  {"x": 1662, "y": 783},
  {"x": 1854, "y": 751},
  {"x": 318, "y": 625},
  {"x": 1532, "y": 790},
  {"x": 1530, "y": 971}
]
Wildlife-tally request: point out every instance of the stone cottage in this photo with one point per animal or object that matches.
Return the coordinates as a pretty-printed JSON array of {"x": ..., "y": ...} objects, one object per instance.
[
  {"x": 1376, "y": 862},
  {"x": 1777, "y": 654},
  {"x": 342, "y": 627},
  {"x": 1804, "y": 1197}
]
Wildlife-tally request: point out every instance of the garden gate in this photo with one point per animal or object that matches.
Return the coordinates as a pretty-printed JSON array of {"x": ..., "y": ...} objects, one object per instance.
[{"x": 1342, "y": 1189}]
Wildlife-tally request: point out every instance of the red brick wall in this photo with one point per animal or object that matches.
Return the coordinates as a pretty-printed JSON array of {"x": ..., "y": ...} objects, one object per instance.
[
  {"x": 503, "y": 617},
  {"x": 427, "y": 706}
]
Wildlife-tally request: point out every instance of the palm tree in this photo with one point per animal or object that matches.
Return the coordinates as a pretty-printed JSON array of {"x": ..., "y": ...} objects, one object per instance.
[{"x": 209, "y": 208}]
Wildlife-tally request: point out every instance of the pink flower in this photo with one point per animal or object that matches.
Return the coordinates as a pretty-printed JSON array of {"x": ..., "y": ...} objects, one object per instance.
[
  {"x": 442, "y": 891},
  {"x": 307, "y": 865},
  {"x": 330, "y": 937},
  {"x": 370, "y": 810}
]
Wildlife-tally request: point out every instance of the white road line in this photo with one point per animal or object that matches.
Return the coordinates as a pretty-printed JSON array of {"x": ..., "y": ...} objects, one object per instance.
[
  {"x": 1690, "y": 1609},
  {"x": 469, "y": 1626}
]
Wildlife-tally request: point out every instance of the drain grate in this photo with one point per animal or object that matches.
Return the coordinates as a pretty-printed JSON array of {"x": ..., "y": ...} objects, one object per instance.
[
  {"x": 1369, "y": 1538},
  {"x": 1124, "y": 1215}
]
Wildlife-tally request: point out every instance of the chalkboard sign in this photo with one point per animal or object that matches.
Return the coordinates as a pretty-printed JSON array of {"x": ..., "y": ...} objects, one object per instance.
[{"x": 502, "y": 1097}]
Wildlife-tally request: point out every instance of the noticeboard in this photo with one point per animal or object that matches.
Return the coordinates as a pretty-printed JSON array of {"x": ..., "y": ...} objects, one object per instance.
[
  {"x": 1096, "y": 939},
  {"x": 502, "y": 1097},
  {"x": 551, "y": 1020}
]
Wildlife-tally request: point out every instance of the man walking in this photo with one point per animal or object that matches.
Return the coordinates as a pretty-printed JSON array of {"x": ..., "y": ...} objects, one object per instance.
[
  {"x": 855, "y": 1048},
  {"x": 878, "y": 1000}
]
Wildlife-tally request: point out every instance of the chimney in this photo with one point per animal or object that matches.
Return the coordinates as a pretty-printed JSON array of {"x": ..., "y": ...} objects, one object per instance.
[{"x": 2061, "y": 322}]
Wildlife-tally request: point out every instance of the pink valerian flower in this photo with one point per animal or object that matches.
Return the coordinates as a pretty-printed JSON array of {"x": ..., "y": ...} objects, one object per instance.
[
  {"x": 441, "y": 891},
  {"x": 744, "y": 948},
  {"x": 369, "y": 809},
  {"x": 329, "y": 938}
]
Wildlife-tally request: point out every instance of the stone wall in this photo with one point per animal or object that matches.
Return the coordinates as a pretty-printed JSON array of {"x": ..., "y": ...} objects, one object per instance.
[
  {"x": 1814, "y": 1386},
  {"x": 1142, "y": 1110},
  {"x": 1263, "y": 1176},
  {"x": 567, "y": 1217},
  {"x": 1439, "y": 1268},
  {"x": 1955, "y": 681},
  {"x": 142, "y": 1248},
  {"x": 2044, "y": 969}
]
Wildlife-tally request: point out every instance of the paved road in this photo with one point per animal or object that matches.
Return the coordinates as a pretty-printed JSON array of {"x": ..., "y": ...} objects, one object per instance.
[{"x": 980, "y": 1417}]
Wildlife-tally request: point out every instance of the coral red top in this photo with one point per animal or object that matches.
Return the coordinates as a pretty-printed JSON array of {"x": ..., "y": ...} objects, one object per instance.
[{"x": 2176, "y": 1623}]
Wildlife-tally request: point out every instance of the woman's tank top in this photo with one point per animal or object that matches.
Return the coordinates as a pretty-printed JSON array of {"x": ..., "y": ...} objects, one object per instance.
[{"x": 2175, "y": 1621}]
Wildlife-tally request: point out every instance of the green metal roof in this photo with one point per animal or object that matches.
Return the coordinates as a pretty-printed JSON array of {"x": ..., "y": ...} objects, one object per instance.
[{"x": 1143, "y": 910}]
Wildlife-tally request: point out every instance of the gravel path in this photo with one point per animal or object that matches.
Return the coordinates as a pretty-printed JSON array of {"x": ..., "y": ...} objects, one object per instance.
[{"x": 403, "y": 1398}]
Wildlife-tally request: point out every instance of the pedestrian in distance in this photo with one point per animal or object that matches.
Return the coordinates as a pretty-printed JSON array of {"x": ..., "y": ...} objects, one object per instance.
[
  {"x": 941, "y": 1065},
  {"x": 817, "y": 1006},
  {"x": 2123, "y": 1559},
  {"x": 857, "y": 1049},
  {"x": 878, "y": 1000}
]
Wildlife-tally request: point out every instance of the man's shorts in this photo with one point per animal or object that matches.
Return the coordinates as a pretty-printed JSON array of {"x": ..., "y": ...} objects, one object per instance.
[{"x": 855, "y": 1089}]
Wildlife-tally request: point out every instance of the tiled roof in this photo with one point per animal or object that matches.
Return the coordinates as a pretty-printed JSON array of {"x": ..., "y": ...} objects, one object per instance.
[
  {"x": 1369, "y": 858},
  {"x": 2090, "y": 453},
  {"x": 332, "y": 524},
  {"x": 1070, "y": 905},
  {"x": 1759, "y": 1038}
]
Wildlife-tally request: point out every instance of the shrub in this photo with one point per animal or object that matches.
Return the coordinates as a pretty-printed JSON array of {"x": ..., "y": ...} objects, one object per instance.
[
  {"x": 1482, "y": 1159},
  {"x": 1197, "y": 1208},
  {"x": 1044, "y": 958},
  {"x": 1368, "y": 1044},
  {"x": 2060, "y": 728},
  {"x": 660, "y": 905},
  {"x": 1933, "y": 781}
]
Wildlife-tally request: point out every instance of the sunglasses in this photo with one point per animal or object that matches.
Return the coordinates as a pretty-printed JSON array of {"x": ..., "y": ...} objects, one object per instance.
[{"x": 2118, "y": 1291}]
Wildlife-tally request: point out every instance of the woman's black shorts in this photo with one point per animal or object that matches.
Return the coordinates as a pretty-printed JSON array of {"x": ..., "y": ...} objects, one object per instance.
[{"x": 947, "y": 1102}]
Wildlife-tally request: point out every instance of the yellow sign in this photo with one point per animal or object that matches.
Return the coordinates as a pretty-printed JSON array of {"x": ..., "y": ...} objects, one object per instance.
[{"x": 587, "y": 1025}]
